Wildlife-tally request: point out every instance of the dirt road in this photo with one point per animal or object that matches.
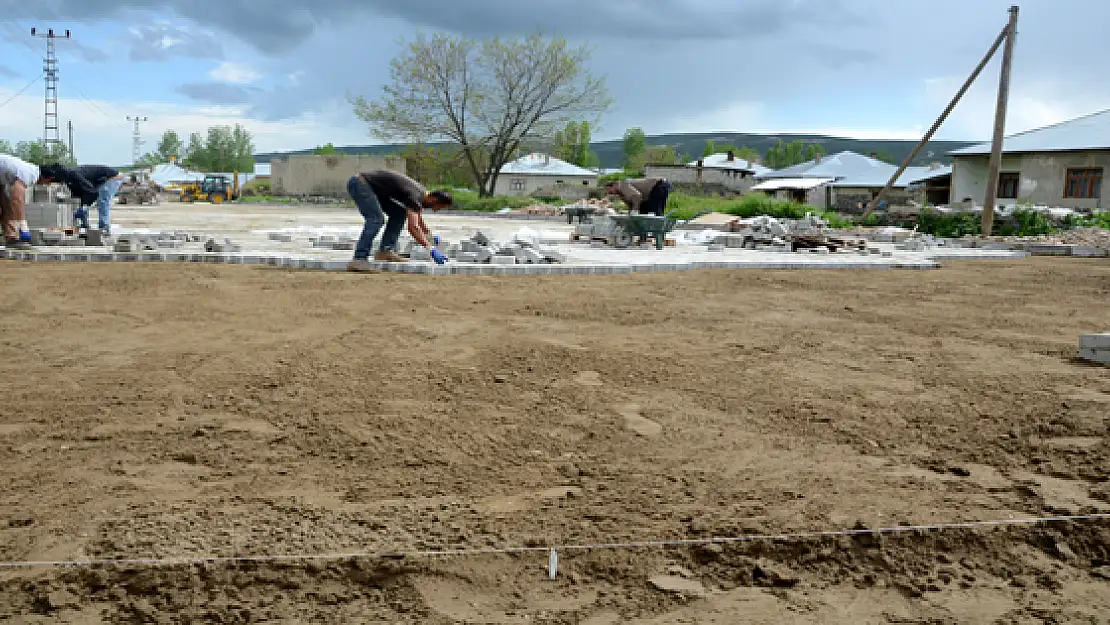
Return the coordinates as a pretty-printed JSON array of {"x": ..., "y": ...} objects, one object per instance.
[{"x": 166, "y": 411}]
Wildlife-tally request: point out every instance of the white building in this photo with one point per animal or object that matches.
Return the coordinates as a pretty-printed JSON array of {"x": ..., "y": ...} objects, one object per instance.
[
  {"x": 541, "y": 174},
  {"x": 1060, "y": 166},
  {"x": 722, "y": 171},
  {"x": 845, "y": 182}
]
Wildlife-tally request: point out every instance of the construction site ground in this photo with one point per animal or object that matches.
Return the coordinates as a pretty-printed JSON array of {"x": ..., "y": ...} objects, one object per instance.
[{"x": 191, "y": 410}]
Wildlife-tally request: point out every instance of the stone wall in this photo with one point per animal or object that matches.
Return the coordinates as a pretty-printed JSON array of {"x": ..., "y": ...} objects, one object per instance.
[
  {"x": 310, "y": 174},
  {"x": 848, "y": 199},
  {"x": 709, "y": 177}
]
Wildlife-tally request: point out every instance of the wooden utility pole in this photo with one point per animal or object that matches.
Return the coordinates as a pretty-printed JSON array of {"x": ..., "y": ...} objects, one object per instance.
[
  {"x": 999, "y": 125},
  {"x": 1002, "y": 38},
  {"x": 72, "y": 156}
]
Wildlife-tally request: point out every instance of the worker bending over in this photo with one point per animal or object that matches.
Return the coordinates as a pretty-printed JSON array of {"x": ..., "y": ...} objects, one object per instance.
[
  {"x": 648, "y": 196},
  {"x": 16, "y": 176},
  {"x": 91, "y": 184},
  {"x": 383, "y": 193}
]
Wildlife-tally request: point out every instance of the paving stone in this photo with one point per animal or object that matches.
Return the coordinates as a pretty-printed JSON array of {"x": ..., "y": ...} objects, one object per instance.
[
  {"x": 419, "y": 252},
  {"x": 343, "y": 245},
  {"x": 1095, "y": 341},
  {"x": 503, "y": 260},
  {"x": 1101, "y": 356},
  {"x": 281, "y": 236},
  {"x": 716, "y": 248},
  {"x": 37, "y": 237},
  {"x": 170, "y": 243}
]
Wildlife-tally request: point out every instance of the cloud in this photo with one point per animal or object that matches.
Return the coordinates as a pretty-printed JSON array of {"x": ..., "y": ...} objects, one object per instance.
[
  {"x": 234, "y": 73},
  {"x": 101, "y": 134},
  {"x": 218, "y": 93},
  {"x": 154, "y": 42},
  {"x": 1032, "y": 104},
  {"x": 6, "y": 72}
]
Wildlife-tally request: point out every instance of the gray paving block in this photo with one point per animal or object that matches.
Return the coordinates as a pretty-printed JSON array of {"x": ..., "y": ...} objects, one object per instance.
[
  {"x": 128, "y": 257},
  {"x": 1101, "y": 356},
  {"x": 1095, "y": 341},
  {"x": 503, "y": 260},
  {"x": 281, "y": 237}
]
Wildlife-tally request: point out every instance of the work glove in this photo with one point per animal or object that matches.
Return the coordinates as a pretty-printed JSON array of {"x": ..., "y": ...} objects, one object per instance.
[
  {"x": 435, "y": 239},
  {"x": 438, "y": 256}
]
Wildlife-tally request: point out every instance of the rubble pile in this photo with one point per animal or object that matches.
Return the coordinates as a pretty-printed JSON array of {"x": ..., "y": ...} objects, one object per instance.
[
  {"x": 1086, "y": 237},
  {"x": 788, "y": 235}
]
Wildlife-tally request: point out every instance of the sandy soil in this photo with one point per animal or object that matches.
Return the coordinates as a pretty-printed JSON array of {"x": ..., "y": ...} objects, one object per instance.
[{"x": 165, "y": 410}]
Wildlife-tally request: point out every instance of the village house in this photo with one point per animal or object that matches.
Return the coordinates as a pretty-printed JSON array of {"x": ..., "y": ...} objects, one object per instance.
[
  {"x": 1059, "y": 166},
  {"x": 541, "y": 174},
  {"x": 716, "y": 172}
]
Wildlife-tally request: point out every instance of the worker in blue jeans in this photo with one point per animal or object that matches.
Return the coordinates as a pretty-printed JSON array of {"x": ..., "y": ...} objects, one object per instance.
[
  {"x": 392, "y": 199},
  {"x": 91, "y": 184}
]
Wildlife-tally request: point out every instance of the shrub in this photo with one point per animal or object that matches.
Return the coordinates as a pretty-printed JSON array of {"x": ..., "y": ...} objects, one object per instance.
[{"x": 685, "y": 206}]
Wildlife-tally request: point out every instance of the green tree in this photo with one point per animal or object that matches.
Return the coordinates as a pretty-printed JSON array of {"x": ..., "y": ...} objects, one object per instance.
[
  {"x": 37, "y": 152},
  {"x": 782, "y": 155},
  {"x": 709, "y": 149},
  {"x": 572, "y": 144},
  {"x": 439, "y": 165},
  {"x": 748, "y": 154},
  {"x": 221, "y": 149},
  {"x": 326, "y": 150},
  {"x": 813, "y": 151},
  {"x": 488, "y": 97},
  {"x": 169, "y": 147},
  {"x": 635, "y": 144}
]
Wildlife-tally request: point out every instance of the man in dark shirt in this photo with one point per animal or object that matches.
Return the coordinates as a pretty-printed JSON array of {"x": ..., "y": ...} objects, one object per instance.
[
  {"x": 91, "y": 184},
  {"x": 383, "y": 193}
]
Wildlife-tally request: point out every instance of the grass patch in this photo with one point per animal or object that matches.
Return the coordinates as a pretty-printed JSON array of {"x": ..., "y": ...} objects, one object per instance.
[{"x": 685, "y": 206}]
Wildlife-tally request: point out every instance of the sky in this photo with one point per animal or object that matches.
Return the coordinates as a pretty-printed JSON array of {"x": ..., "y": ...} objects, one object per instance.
[{"x": 285, "y": 68}]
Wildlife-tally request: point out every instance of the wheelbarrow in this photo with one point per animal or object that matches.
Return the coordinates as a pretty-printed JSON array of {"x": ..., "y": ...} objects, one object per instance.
[
  {"x": 645, "y": 225},
  {"x": 583, "y": 213}
]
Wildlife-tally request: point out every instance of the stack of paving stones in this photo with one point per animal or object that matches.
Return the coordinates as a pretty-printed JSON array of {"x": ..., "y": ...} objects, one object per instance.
[
  {"x": 1095, "y": 347},
  {"x": 329, "y": 242},
  {"x": 480, "y": 249}
]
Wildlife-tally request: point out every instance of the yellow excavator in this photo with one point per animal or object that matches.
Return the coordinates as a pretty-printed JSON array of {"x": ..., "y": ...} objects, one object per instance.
[{"x": 216, "y": 188}]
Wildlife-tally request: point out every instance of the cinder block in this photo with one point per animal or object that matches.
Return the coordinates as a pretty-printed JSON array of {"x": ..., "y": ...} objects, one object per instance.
[
  {"x": 1101, "y": 356},
  {"x": 1095, "y": 341}
]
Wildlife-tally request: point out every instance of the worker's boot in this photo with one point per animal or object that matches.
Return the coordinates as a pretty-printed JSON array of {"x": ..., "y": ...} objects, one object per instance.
[
  {"x": 362, "y": 265},
  {"x": 390, "y": 256}
]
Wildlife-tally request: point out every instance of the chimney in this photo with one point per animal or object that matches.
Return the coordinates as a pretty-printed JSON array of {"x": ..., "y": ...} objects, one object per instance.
[
  {"x": 701, "y": 163},
  {"x": 731, "y": 156},
  {"x": 874, "y": 155}
]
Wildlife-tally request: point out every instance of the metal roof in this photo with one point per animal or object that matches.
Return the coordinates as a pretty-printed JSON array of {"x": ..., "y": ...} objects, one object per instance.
[
  {"x": 791, "y": 183},
  {"x": 537, "y": 164},
  {"x": 849, "y": 169},
  {"x": 720, "y": 161},
  {"x": 1090, "y": 132}
]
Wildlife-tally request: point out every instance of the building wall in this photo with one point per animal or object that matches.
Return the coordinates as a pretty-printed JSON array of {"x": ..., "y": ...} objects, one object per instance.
[
  {"x": 848, "y": 199},
  {"x": 533, "y": 184},
  {"x": 1042, "y": 178},
  {"x": 710, "y": 177},
  {"x": 309, "y": 174}
]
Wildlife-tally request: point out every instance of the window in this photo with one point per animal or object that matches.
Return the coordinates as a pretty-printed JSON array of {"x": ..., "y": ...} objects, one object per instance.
[
  {"x": 1008, "y": 183},
  {"x": 1083, "y": 183},
  {"x": 517, "y": 184}
]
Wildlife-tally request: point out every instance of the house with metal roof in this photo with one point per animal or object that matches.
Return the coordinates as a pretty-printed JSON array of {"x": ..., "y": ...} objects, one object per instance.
[
  {"x": 1061, "y": 165},
  {"x": 538, "y": 174},
  {"x": 846, "y": 182},
  {"x": 722, "y": 172}
]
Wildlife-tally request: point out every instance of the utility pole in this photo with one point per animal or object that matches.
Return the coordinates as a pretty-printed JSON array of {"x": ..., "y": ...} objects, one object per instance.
[
  {"x": 135, "y": 140},
  {"x": 51, "y": 139},
  {"x": 999, "y": 125},
  {"x": 72, "y": 156}
]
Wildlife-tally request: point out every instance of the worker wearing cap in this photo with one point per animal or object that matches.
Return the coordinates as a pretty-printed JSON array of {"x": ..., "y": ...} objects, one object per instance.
[
  {"x": 16, "y": 176},
  {"x": 393, "y": 199},
  {"x": 647, "y": 196},
  {"x": 91, "y": 184}
]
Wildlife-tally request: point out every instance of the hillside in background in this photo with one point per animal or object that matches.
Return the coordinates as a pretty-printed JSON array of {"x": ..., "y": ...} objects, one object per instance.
[{"x": 611, "y": 152}]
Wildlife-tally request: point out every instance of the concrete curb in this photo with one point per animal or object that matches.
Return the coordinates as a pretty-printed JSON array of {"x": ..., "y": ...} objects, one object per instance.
[{"x": 449, "y": 269}]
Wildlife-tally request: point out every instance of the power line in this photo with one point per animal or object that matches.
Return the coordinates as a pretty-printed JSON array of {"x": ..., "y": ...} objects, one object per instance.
[{"x": 20, "y": 92}]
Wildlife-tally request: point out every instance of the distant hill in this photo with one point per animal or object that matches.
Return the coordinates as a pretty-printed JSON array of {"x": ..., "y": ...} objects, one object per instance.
[{"x": 611, "y": 153}]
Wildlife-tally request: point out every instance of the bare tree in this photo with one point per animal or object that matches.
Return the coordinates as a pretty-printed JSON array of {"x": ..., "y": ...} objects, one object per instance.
[{"x": 489, "y": 97}]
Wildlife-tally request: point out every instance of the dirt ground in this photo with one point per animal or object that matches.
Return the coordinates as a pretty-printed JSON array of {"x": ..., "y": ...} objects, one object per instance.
[{"x": 197, "y": 410}]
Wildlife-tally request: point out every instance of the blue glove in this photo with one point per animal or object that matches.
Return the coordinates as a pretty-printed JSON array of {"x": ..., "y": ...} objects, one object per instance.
[
  {"x": 438, "y": 256},
  {"x": 435, "y": 239}
]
